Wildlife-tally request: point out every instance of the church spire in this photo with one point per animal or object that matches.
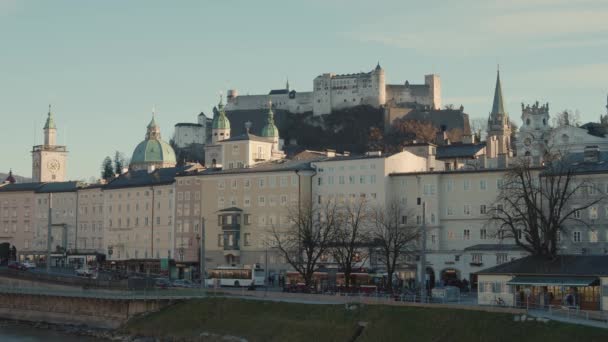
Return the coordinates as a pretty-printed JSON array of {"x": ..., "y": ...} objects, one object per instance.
[{"x": 498, "y": 106}]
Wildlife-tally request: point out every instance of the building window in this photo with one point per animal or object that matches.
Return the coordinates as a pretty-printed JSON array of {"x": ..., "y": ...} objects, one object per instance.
[
  {"x": 449, "y": 186},
  {"x": 483, "y": 234},
  {"x": 593, "y": 213},
  {"x": 351, "y": 179},
  {"x": 466, "y": 234},
  {"x": 261, "y": 201},
  {"x": 450, "y": 211},
  {"x": 467, "y": 209},
  {"x": 341, "y": 181},
  {"x": 466, "y": 185},
  {"x": 320, "y": 181},
  {"x": 372, "y": 179},
  {"x": 482, "y": 209},
  {"x": 246, "y": 238},
  {"x": 576, "y": 236},
  {"x": 247, "y": 219},
  {"x": 261, "y": 182},
  {"x": 576, "y": 214},
  {"x": 483, "y": 184},
  {"x": 501, "y": 258},
  {"x": 450, "y": 235},
  {"x": 593, "y": 236},
  {"x": 477, "y": 258},
  {"x": 403, "y": 219}
]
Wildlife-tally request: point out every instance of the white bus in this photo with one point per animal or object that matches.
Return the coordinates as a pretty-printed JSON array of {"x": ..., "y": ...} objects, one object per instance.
[{"x": 236, "y": 276}]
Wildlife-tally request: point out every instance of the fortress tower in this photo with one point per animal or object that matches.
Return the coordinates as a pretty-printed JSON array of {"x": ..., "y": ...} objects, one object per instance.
[{"x": 534, "y": 131}]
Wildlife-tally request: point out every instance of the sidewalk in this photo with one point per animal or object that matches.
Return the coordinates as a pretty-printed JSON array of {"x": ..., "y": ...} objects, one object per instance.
[{"x": 565, "y": 319}]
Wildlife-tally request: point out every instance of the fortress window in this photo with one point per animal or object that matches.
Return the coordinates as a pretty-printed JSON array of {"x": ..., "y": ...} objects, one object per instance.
[{"x": 528, "y": 122}]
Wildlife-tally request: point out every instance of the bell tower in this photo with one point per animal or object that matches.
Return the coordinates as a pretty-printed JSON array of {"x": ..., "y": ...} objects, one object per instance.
[
  {"x": 498, "y": 141},
  {"x": 49, "y": 159}
]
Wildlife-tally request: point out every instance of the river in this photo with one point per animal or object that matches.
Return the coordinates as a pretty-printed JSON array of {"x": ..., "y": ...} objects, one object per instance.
[{"x": 10, "y": 332}]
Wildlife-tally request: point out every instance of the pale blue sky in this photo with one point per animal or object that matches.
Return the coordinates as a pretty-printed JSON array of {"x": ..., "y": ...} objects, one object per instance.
[{"x": 103, "y": 64}]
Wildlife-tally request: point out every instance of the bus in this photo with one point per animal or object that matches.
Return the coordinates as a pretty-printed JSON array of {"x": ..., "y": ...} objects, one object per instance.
[
  {"x": 359, "y": 282},
  {"x": 294, "y": 282},
  {"x": 236, "y": 276}
]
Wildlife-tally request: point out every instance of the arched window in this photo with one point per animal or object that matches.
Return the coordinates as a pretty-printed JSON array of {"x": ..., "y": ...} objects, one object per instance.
[
  {"x": 528, "y": 122},
  {"x": 527, "y": 154}
]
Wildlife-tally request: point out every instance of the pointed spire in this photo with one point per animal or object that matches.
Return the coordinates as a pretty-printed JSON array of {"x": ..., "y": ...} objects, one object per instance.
[
  {"x": 287, "y": 84},
  {"x": 50, "y": 122},
  {"x": 498, "y": 106},
  {"x": 378, "y": 67},
  {"x": 153, "y": 121}
]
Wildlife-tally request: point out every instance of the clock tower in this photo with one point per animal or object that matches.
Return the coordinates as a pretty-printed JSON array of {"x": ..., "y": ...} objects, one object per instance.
[{"x": 49, "y": 160}]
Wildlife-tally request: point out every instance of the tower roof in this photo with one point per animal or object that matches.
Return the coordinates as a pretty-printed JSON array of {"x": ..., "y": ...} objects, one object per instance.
[
  {"x": 498, "y": 106},
  {"x": 10, "y": 179},
  {"x": 220, "y": 121},
  {"x": 50, "y": 123},
  {"x": 270, "y": 130}
]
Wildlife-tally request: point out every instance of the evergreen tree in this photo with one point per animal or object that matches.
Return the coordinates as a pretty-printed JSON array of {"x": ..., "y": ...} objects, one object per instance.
[
  {"x": 119, "y": 162},
  {"x": 107, "y": 171}
]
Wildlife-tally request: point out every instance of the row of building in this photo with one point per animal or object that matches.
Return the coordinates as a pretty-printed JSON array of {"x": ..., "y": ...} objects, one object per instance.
[{"x": 156, "y": 215}]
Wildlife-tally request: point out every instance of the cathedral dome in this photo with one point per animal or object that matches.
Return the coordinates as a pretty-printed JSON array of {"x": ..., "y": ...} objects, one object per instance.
[
  {"x": 270, "y": 130},
  {"x": 153, "y": 151},
  {"x": 220, "y": 121}
]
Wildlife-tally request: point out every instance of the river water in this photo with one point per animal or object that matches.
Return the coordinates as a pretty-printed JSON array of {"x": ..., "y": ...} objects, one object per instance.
[{"x": 25, "y": 333}]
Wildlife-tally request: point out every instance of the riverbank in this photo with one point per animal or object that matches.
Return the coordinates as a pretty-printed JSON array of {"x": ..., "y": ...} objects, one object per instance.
[{"x": 248, "y": 320}]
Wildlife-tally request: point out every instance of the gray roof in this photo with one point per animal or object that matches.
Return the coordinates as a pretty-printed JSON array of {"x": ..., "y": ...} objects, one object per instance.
[
  {"x": 161, "y": 176},
  {"x": 187, "y": 124},
  {"x": 21, "y": 187},
  {"x": 270, "y": 166},
  {"x": 60, "y": 187},
  {"x": 493, "y": 247},
  {"x": 562, "y": 265},
  {"x": 247, "y": 136},
  {"x": 459, "y": 150},
  {"x": 231, "y": 209},
  {"x": 278, "y": 91}
]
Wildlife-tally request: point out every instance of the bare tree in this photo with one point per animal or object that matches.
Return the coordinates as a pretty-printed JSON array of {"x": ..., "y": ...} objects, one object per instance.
[
  {"x": 536, "y": 203},
  {"x": 309, "y": 235},
  {"x": 351, "y": 237},
  {"x": 393, "y": 238},
  {"x": 478, "y": 127},
  {"x": 566, "y": 118}
]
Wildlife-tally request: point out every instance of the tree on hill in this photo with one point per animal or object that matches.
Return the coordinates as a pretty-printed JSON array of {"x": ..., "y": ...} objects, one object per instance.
[{"x": 107, "y": 170}]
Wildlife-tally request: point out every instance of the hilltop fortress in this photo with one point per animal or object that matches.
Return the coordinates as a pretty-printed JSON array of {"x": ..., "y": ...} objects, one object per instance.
[{"x": 331, "y": 92}]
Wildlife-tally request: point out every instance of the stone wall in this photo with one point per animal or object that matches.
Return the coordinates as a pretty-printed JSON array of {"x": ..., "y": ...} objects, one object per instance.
[{"x": 99, "y": 313}]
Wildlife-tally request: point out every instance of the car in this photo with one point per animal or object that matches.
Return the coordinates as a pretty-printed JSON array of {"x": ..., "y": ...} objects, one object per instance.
[
  {"x": 162, "y": 283},
  {"x": 84, "y": 272},
  {"x": 183, "y": 283},
  {"x": 17, "y": 266},
  {"x": 29, "y": 264}
]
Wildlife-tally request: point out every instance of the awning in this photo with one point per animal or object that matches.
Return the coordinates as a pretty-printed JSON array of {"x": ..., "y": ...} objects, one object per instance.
[{"x": 553, "y": 281}]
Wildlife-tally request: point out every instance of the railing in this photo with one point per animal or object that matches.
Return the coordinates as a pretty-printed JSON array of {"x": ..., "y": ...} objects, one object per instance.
[{"x": 108, "y": 294}]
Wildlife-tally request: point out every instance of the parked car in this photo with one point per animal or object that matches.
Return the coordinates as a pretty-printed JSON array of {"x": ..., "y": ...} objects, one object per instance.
[
  {"x": 162, "y": 283},
  {"x": 84, "y": 272},
  {"x": 183, "y": 283},
  {"x": 29, "y": 264},
  {"x": 17, "y": 266}
]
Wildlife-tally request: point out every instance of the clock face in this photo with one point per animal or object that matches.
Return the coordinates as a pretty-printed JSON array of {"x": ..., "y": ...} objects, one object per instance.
[{"x": 53, "y": 165}]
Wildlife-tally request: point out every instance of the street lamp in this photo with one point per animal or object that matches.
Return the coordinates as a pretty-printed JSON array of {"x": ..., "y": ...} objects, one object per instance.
[{"x": 198, "y": 244}]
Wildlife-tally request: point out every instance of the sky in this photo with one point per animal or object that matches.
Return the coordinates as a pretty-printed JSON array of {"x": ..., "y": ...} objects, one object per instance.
[{"x": 103, "y": 65}]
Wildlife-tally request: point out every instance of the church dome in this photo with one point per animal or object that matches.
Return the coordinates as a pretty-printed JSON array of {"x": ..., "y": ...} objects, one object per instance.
[
  {"x": 270, "y": 130},
  {"x": 220, "y": 121},
  {"x": 153, "y": 151}
]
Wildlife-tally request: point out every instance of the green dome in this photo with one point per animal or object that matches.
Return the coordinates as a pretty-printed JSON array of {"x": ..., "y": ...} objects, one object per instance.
[
  {"x": 153, "y": 151},
  {"x": 220, "y": 121},
  {"x": 270, "y": 130}
]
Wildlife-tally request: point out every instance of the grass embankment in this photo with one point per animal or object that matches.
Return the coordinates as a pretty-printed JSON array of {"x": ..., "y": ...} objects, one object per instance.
[{"x": 275, "y": 321}]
